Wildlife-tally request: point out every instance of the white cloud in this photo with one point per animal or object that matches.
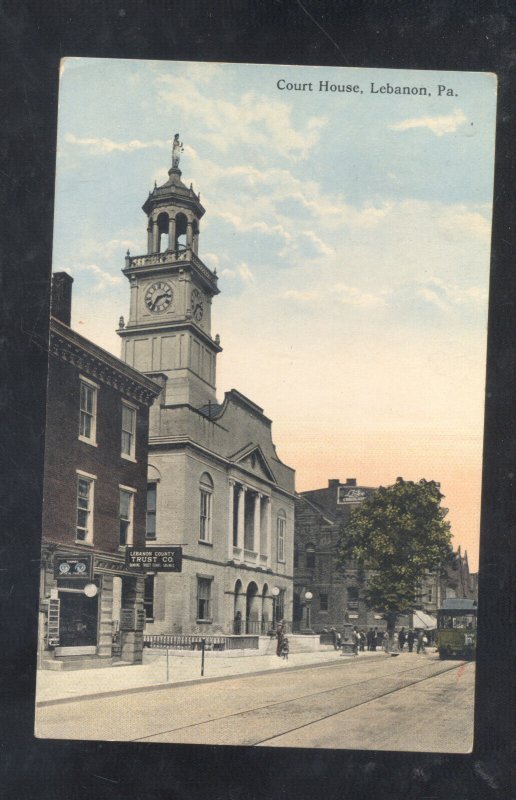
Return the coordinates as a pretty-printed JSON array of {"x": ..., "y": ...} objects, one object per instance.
[
  {"x": 460, "y": 220},
  {"x": 302, "y": 297},
  {"x": 352, "y": 295},
  {"x": 254, "y": 120},
  {"x": 101, "y": 146},
  {"x": 242, "y": 271},
  {"x": 348, "y": 295},
  {"x": 104, "y": 279},
  {"x": 438, "y": 125},
  {"x": 446, "y": 296}
]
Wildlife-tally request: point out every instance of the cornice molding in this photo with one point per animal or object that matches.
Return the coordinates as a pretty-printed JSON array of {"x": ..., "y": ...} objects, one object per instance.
[{"x": 100, "y": 365}]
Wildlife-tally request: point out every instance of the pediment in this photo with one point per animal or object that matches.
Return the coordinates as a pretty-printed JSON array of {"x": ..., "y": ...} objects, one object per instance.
[{"x": 253, "y": 460}]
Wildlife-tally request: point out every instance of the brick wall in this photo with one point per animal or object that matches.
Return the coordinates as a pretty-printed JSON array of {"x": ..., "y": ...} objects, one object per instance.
[{"x": 65, "y": 453}]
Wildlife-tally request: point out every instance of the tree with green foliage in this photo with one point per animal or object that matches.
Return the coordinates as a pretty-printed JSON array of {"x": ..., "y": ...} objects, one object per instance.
[{"x": 398, "y": 534}]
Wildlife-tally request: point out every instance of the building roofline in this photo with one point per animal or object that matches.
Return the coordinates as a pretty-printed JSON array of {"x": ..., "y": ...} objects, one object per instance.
[
  {"x": 75, "y": 348},
  {"x": 328, "y": 517}
]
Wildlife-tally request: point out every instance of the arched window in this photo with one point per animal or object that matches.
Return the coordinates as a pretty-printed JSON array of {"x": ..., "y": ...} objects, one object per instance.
[
  {"x": 310, "y": 556},
  {"x": 163, "y": 243},
  {"x": 281, "y": 526},
  {"x": 181, "y": 224},
  {"x": 205, "y": 497}
]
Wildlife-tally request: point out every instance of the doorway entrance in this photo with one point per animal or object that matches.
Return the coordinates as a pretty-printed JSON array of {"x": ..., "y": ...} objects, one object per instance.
[{"x": 78, "y": 624}]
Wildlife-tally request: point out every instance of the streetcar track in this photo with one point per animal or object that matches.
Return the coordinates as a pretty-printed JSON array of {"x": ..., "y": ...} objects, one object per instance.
[
  {"x": 352, "y": 708},
  {"x": 304, "y": 697}
]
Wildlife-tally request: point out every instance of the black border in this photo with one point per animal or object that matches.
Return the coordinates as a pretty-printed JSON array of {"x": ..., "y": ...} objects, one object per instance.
[{"x": 430, "y": 34}]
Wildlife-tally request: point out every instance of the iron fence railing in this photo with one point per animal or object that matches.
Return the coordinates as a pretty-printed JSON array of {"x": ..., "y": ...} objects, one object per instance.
[{"x": 179, "y": 641}]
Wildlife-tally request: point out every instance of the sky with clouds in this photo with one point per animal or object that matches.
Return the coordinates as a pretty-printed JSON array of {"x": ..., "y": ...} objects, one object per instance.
[{"x": 351, "y": 234}]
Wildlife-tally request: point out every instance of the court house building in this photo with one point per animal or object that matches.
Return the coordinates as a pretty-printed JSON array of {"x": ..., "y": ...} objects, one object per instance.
[{"x": 216, "y": 485}]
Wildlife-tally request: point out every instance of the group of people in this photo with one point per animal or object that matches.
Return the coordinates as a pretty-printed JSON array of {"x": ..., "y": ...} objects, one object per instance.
[
  {"x": 374, "y": 639},
  {"x": 410, "y": 637},
  {"x": 359, "y": 640}
]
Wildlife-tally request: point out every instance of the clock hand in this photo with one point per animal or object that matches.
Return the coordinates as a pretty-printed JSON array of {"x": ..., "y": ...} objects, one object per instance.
[{"x": 163, "y": 294}]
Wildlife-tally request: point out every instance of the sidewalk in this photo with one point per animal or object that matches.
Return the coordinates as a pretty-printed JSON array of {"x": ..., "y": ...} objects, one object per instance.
[{"x": 55, "y": 687}]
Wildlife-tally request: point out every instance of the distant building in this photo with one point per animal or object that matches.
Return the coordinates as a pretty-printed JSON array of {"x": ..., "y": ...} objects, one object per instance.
[
  {"x": 454, "y": 580},
  {"x": 95, "y": 484},
  {"x": 337, "y": 591},
  {"x": 216, "y": 485}
]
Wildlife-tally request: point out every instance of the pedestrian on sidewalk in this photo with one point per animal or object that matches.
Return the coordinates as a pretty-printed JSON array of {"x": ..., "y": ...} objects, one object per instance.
[
  {"x": 280, "y": 633},
  {"x": 402, "y": 638},
  {"x": 374, "y": 640},
  {"x": 410, "y": 640},
  {"x": 421, "y": 641},
  {"x": 369, "y": 638},
  {"x": 285, "y": 648},
  {"x": 362, "y": 640},
  {"x": 355, "y": 639}
]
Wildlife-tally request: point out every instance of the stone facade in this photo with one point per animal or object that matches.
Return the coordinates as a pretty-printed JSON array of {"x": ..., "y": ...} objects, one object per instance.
[
  {"x": 93, "y": 491},
  {"x": 216, "y": 485}
]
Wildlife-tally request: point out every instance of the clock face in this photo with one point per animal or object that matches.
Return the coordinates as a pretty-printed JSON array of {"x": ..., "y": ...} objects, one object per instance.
[
  {"x": 158, "y": 297},
  {"x": 197, "y": 305}
]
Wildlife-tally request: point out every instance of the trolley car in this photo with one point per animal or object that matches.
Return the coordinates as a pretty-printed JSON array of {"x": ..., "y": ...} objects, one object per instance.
[{"x": 457, "y": 628}]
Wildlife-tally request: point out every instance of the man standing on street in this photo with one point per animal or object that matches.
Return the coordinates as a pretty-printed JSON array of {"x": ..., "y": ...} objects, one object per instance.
[
  {"x": 280, "y": 633},
  {"x": 421, "y": 642},
  {"x": 410, "y": 640},
  {"x": 355, "y": 638}
]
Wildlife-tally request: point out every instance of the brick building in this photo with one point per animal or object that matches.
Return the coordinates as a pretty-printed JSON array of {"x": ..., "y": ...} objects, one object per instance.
[
  {"x": 338, "y": 592},
  {"x": 94, "y": 498}
]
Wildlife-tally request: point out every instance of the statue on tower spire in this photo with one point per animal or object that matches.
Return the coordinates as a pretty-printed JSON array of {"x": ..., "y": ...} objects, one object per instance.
[{"x": 177, "y": 149}]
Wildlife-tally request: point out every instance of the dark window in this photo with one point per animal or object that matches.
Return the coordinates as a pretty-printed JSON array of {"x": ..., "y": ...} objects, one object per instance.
[
  {"x": 323, "y": 602},
  {"x": 353, "y": 597},
  {"x": 296, "y": 557},
  {"x": 203, "y": 598},
  {"x": 128, "y": 430},
  {"x": 148, "y": 597},
  {"x": 125, "y": 515},
  {"x": 88, "y": 403},
  {"x": 310, "y": 557},
  {"x": 152, "y": 489},
  {"x": 84, "y": 507}
]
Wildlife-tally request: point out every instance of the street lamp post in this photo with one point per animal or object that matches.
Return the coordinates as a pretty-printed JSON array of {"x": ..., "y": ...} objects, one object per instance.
[
  {"x": 275, "y": 595},
  {"x": 308, "y": 598}
]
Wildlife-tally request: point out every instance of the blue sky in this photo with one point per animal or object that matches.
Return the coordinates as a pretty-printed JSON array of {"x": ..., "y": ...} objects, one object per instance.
[{"x": 351, "y": 235}]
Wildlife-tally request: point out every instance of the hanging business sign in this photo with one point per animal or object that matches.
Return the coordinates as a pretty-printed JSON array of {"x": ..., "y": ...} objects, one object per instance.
[
  {"x": 354, "y": 495},
  {"x": 73, "y": 566},
  {"x": 154, "y": 559}
]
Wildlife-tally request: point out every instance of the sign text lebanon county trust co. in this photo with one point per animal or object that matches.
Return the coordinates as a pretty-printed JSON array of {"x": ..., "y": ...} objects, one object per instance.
[{"x": 154, "y": 559}]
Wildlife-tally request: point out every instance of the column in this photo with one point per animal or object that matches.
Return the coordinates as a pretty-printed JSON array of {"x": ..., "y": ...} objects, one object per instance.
[
  {"x": 172, "y": 233},
  {"x": 269, "y": 532},
  {"x": 105, "y": 617},
  {"x": 241, "y": 519},
  {"x": 155, "y": 236},
  {"x": 189, "y": 234},
  {"x": 230, "y": 518},
  {"x": 149, "y": 237},
  {"x": 256, "y": 522},
  {"x": 196, "y": 242}
]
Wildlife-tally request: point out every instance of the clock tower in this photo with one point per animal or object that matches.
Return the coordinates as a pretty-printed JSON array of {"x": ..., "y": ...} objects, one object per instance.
[{"x": 169, "y": 325}]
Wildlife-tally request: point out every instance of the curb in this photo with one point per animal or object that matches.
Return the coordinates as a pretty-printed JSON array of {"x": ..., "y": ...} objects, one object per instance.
[{"x": 193, "y": 681}]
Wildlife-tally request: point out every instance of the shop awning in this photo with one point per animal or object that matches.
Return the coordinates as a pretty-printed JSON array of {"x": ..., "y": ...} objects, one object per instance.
[{"x": 425, "y": 621}]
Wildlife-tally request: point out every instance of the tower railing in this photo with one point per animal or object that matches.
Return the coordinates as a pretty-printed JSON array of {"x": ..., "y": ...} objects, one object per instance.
[{"x": 168, "y": 257}]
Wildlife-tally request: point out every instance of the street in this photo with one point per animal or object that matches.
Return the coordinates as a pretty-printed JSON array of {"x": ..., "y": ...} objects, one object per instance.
[{"x": 410, "y": 703}]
